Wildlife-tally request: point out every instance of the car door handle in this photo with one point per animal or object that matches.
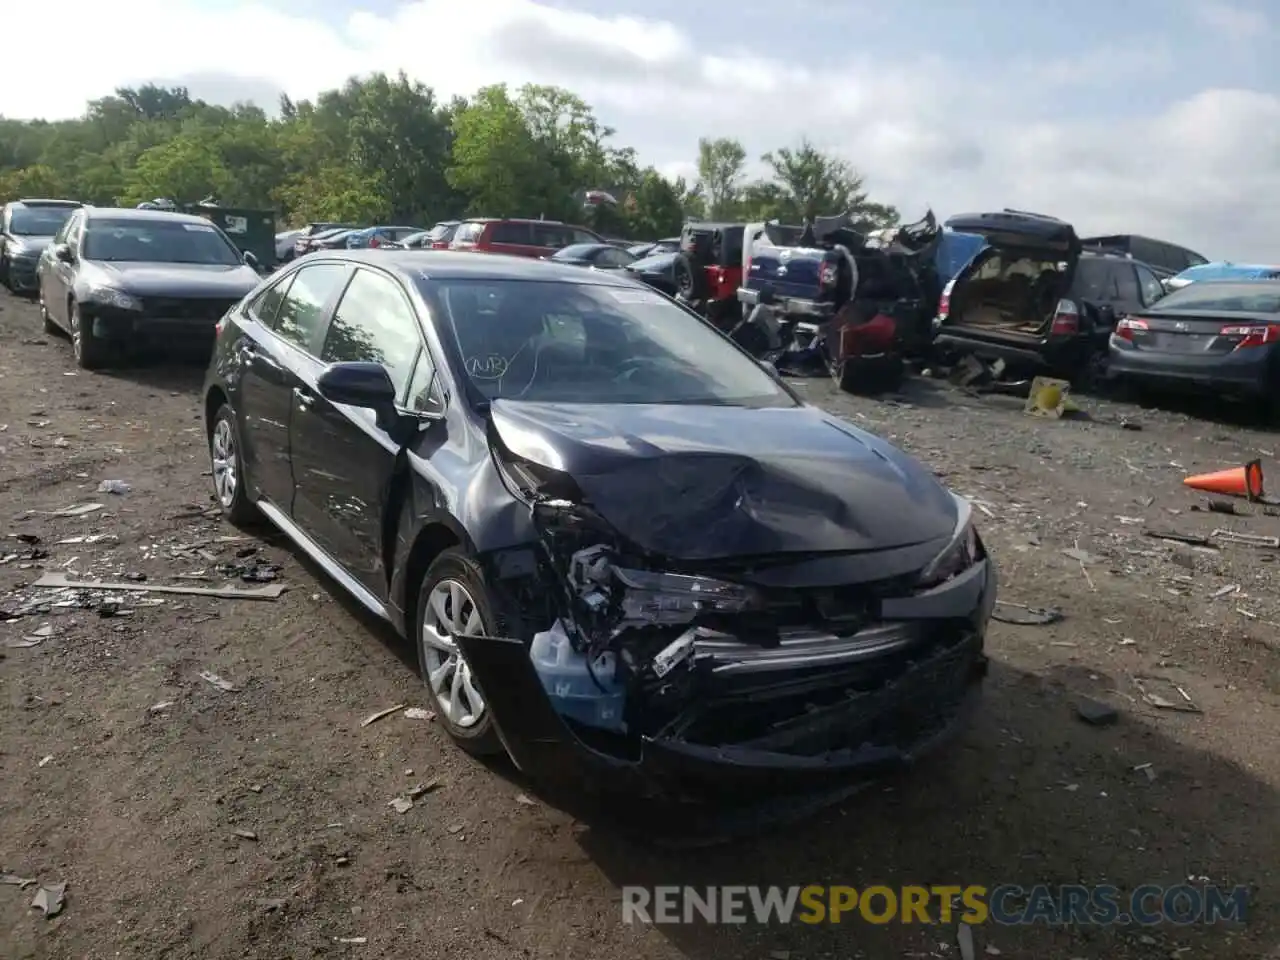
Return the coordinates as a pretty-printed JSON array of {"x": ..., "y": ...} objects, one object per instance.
[{"x": 304, "y": 397}]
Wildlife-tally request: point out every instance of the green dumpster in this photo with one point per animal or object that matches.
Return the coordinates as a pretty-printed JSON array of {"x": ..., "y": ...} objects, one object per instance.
[{"x": 253, "y": 231}]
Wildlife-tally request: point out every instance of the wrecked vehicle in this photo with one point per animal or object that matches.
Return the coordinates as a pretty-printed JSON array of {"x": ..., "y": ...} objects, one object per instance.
[
  {"x": 628, "y": 554},
  {"x": 795, "y": 280},
  {"x": 1033, "y": 299}
]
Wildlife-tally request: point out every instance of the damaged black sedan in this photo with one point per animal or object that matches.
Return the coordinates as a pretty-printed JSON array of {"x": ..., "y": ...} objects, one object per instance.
[{"x": 628, "y": 553}]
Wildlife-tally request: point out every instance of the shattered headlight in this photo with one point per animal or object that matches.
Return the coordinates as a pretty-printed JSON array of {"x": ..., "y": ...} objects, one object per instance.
[
  {"x": 675, "y": 598},
  {"x": 962, "y": 552}
]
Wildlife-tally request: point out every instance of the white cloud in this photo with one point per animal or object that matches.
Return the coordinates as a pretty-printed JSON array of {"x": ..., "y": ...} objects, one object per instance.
[
  {"x": 1236, "y": 23},
  {"x": 1202, "y": 172}
]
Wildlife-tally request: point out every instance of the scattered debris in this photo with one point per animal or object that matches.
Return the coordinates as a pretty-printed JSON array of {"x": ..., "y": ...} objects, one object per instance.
[
  {"x": 1148, "y": 687},
  {"x": 161, "y": 706},
  {"x": 375, "y": 717},
  {"x": 422, "y": 789},
  {"x": 75, "y": 510},
  {"x": 964, "y": 938},
  {"x": 1191, "y": 539},
  {"x": 1080, "y": 556},
  {"x": 50, "y": 898},
  {"x": 58, "y": 580},
  {"x": 13, "y": 880},
  {"x": 400, "y": 804},
  {"x": 273, "y": 905},
  {"x": 350, "y": 939},
  {"x": 45, "y": 761},
  {"x": 217, "y": 681},
  {"x": 1223, "y": 591},
  {"x": 246, "y": 835},
  {"x": 1147, "y": 769},
  {"x": 417, "y": 713},
  {"x": 1030, "y": 616},
  {"x": 117, "y": 487},
  {"x": 526, "y": 800},
  {"x": 1095, "y": 712},
  {"x": 1247, "y": 539}
]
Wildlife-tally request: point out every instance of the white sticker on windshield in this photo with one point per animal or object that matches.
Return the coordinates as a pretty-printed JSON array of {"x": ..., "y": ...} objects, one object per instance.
[
  {"x": 198, "y": 227},
  {"x": 635, "y": 296}
]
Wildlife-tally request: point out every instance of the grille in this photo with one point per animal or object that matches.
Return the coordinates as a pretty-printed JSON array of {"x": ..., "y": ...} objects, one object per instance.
[{"x": 186, "y": 308}]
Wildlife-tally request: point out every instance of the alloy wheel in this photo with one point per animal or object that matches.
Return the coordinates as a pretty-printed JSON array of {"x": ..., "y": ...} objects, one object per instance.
[
  {"x": 451, "y": 612},
  {"x": 222, "y": 449}
]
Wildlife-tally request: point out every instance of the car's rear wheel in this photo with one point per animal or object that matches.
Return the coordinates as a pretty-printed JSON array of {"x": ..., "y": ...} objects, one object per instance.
[
  {"x": 4, "y": 273},
  {"x": 228, "y": 469},
  {"x": 91, "y": 351},
  {"x": 454, "y": 601}
]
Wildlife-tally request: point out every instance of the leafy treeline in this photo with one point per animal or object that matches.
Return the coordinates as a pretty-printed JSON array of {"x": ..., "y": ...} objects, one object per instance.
[{"x": 387, "y": 150}]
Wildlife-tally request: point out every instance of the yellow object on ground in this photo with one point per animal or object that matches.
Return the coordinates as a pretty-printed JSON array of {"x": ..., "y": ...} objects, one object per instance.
[{"x": 1048, "y": 398}]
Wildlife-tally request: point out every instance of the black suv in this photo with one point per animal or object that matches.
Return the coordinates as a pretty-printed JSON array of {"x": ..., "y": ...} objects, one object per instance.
[
  {"x": 1033, "y": 298},
  {"x": 26, "y": 228}
]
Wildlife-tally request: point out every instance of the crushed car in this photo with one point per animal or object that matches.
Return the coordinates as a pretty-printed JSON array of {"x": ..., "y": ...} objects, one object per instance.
[
  {"x": 629, "y": 555},
  {"x": 808, "y": 288}
]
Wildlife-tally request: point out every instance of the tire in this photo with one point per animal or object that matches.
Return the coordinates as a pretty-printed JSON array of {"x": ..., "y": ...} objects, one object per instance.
[
  {"x": 451, "y": 578},
  {"x": 224, "y": 455},
  {"x": 4, "y": 273},
  {"x": 91, "y": 352},
  {"x": 690, "y": 281},
  {"x": 46, "y": 319}
]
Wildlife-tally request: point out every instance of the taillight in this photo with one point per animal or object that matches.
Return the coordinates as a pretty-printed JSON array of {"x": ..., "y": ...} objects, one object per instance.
[
  {"x": 828, "y": 274},
  {"x": 944, "y": 301},
  {"x": 1252, "y": 334},
  {"x": 1128, "y": 326},
  {"x": 1066, "y": 318}
]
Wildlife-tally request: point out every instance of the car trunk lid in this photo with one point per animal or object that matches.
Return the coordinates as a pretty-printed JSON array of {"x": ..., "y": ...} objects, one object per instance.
[{"x": 1179, "y": 332}]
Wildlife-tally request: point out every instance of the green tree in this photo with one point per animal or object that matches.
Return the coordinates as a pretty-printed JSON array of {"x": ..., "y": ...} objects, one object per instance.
[
  {"x": 337, "y": 193},
  {"x": 808, "y": 183},
  {"x": 721, "y": 166},
  {"x": 497, "y": 164},
  {"x": 34, "y": 181},
  {"x": 184, "y": 169}
]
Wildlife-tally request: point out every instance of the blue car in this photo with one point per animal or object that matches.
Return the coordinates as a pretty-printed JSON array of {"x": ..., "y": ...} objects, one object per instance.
[
  {"x": 1223, "y": 271},
  {"x": 375, "y": 237}
]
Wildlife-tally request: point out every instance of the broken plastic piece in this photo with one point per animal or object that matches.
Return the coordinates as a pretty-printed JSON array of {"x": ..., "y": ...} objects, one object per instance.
[
  {"x": 50, "y": 899},
  {"x": 675, "y": 653}
]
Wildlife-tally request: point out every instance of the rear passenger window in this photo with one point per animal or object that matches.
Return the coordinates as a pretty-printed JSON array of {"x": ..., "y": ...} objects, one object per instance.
[
  {"x": 301, "y": 310},
  {"x": 511, "y": 233},
  {"x": 581, "y": 236},
  {"x": 266, "y": 305},
  {"x": 1152, "y": 288},
  {"x": 1126, "y": 283},
  {"x": 374, "y": 323},
  {"x": 468, "y": 233},
  {"x": 550, "y": 235}
]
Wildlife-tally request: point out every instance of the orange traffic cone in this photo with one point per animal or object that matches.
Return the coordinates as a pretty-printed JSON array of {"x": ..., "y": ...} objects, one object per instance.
[{"x": 1243, "y": 481}]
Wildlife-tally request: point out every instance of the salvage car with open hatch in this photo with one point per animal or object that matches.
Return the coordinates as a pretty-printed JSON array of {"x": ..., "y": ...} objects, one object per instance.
[{"x": 628, "y": 554}]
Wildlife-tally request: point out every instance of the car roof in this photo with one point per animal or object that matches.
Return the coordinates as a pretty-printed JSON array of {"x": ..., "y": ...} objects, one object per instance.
[
  {"x": 455, "y": 265},
  {"x": 132, "y": 213},
  {"x": 45, "y": 202},
  {"x": 552, "y": 223}
]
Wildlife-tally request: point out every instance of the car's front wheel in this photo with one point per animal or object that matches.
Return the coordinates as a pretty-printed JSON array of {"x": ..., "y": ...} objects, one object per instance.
[
  {"x": 90, "y": 350},
  {"x": 228, "y": 469},
  {"x": 454, "y": 601}
]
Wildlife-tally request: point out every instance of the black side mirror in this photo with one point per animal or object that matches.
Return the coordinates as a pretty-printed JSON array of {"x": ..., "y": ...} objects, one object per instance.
[
  {"x": 358, "y": 384},
  {"x": 63, "y": 252}
]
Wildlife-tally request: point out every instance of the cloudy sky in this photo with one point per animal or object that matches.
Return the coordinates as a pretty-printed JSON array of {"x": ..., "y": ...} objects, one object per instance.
[{"x": 1138, "y": 116}]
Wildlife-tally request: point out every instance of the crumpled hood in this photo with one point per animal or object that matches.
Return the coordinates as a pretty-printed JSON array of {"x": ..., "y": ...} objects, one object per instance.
[
  {"x": 230, "y": 281},
  {"x": 29, "y": 246},
  {"x": 707, "y": 482}
]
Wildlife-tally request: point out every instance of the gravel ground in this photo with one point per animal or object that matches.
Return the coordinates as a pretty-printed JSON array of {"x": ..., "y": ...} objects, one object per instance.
[{"x": 192, "y": 821}]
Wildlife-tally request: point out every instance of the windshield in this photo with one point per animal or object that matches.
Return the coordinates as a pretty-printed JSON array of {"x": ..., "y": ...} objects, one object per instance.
[
  {"x": 38, "y": 221},
  {"x": 578, "y": 251},
  {"x": 1261, "y": 296},
  {"x": 162, "y": 240},
  {"x": 558, "y": 342}
]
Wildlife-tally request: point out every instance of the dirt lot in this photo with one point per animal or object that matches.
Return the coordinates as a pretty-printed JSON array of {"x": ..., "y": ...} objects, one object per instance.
[{"x": 136, "y": 806}]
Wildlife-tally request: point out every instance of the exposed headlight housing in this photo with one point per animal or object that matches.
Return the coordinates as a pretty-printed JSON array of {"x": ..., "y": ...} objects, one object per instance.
[
  {"x": 111, "y": 297},
  {"x": 674, "y": 598},
  {"x": 961, "y": 552}
]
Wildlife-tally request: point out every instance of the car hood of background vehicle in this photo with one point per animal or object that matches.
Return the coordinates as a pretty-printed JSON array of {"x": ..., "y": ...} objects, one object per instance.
[
  {"x": 711, "y": 482},
  {"x": 230, "y": 281},
  {"x": 31, "y": 246}
]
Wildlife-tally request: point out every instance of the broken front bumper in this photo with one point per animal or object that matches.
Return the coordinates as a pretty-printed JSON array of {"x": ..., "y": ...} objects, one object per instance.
[{"x": 822, "y": 749}]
